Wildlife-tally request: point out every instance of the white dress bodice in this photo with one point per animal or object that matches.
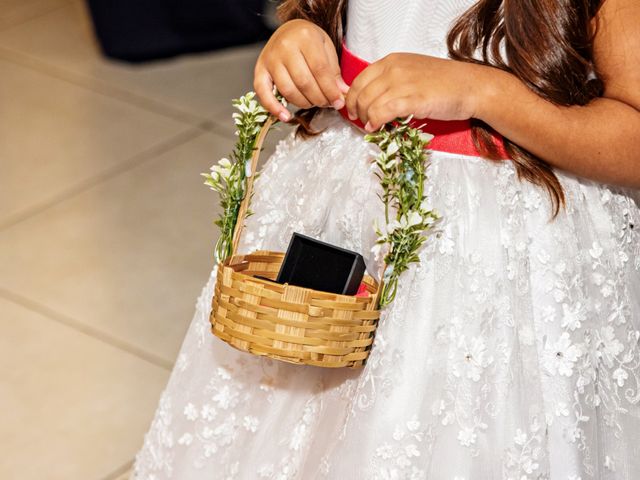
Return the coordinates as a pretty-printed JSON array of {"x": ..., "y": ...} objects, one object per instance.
[{"x": 376, "y": 28}]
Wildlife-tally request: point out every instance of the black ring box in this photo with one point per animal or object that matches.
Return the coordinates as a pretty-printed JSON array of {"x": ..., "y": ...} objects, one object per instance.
[{"x": 311, "y": 263}]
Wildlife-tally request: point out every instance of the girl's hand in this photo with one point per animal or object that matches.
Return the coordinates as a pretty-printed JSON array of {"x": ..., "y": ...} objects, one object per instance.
[
  {"x": 403, "y": 84},
  {"x": 301, "y": 61}
]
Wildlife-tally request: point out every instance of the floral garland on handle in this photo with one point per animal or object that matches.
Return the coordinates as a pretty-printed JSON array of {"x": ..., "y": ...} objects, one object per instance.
[
  {"x": 228, "y": 177},
  {"x": 401, "y": 169}
]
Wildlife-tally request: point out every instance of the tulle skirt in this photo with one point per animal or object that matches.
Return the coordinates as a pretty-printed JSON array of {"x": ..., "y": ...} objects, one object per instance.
[{"x": 511, "y": 351}]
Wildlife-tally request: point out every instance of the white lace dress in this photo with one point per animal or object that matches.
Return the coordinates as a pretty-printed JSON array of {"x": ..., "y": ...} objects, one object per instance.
[{"x": 511, "y": 352}]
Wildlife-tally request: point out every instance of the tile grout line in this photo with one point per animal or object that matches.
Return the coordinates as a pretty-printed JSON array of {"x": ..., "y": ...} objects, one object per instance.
[
  {"x": 121, "y": 470},
  {"x": 35, "y": 17},
  {"x": 122, "y": 167},
  {"x": 85, "y": 329},
  {"x": 100, "y": 87}
]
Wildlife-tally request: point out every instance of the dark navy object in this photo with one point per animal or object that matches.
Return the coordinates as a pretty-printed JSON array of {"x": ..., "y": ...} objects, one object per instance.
[
  {"x": 140, "y": 30},
  {"x": 311, "y": 263}
]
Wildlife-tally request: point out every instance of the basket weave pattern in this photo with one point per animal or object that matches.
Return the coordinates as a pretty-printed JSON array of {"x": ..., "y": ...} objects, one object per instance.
[{"x": 285, "y": 322}]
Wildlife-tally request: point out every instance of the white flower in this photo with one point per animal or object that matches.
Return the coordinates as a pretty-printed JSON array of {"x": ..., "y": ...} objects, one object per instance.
[
  {"x": 384, "y": 451},
  {"x": 208, "y": 412},
  {"x": 390, "y": 164},
  {"x": 379, "y": 251},
  {"x": 611, "y": 345},
  {"x": 250, "y": 423},
  {"x": 475, "y": 357},
  {"x": 572, "y": 317},
  {"x": 520, "y": 438},
  {"x": 391, "y": 227},
  {"x": 529, "y": 465},
  {"x": 210, "y": 449},
  {"x": 190, "y": 411},
  {"x": 561, "y": 409},
  {"x": 222, "y": 169},
  {"x": 596, "y": 250},
  {"x": 620, "y": 375},
  {"x": 560, "y": 357},
  {"x": 413, "y": 424},
  {"x": 425, "y": 137},
  {"x": 467, "y": 437},
  {"x": 411, "y": 450},
  {"x": 226, "y": 432},
  {"x": 392, "y": 148},
  {"x": 248, "y": 104},
  {"x": 225, "y": 397},
  {"x": 414, "y": 219},
  {"x": 185, "y": 439},
  {"x": 548, "y": 314}
]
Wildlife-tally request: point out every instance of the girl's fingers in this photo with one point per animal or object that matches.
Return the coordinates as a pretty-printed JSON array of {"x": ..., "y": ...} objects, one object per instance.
[
  {"x": 263, "y": 86},
  {"x": 376, "y": 89},
  {"x": 332, "y": 55},
  {"x": 288, "y": 88},
  {"x": 361, "y": 81},
  {"x": 386, "y": 109},
  {"x": 325, "y": 67},
  {"x": 305, "y": 81}
]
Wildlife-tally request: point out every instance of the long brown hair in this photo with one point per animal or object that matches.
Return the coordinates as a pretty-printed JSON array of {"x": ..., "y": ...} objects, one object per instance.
[{"x": 547, "y": 45}]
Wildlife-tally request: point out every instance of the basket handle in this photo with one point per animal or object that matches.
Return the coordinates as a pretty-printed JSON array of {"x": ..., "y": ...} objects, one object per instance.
[{"x": 244, "y": 206}]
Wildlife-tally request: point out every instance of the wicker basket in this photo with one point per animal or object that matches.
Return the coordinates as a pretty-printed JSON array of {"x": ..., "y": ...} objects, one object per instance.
[{"x": 285, "y": 322}]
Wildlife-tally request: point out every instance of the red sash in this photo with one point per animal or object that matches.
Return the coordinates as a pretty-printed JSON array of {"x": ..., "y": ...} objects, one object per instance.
[{"x": 449, "y": 136}]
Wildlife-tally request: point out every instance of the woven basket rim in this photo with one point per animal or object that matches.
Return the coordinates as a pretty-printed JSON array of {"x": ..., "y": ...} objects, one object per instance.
[{"x": 370, "y": 283}]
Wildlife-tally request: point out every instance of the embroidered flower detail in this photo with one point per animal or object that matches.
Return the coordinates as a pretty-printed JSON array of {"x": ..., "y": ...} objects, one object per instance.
[
  {"x": 396, "y": 460},
  {"x": 226, "y": 397},
  {"x": 611, "y": 346},
  {"x": 467, "y": 437},
  {"x": 250, "y": 423},
  {"x": 523, "y": 458},
  {"x": 474, "y": 358},
  {"x": 185, "y": 439},
  {"x": 620, "y": 375},
  {"x": 561, "y": 356},
  {"x": 596, "y": 250},
  {"x": 573, "y": 316},
  {"x": 208, "y": 412},
  {"x": 191, "y": 412}
]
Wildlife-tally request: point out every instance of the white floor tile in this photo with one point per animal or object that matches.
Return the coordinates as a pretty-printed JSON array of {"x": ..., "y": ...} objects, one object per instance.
[
  {"x": 55, "y": 136},
  {"x": 73, "y": 408},
  {"x": 129, "y": 256}
]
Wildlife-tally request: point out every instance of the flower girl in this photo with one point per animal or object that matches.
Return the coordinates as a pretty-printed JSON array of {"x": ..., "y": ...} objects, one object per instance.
[{"x": 511, "y": 350}]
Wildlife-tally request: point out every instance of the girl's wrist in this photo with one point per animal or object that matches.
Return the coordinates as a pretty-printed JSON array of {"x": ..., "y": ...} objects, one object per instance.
[{"x": 490, "y": 85}]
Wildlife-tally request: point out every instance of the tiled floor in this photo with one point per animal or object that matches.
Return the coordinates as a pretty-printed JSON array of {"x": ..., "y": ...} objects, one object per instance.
[{"x": 105, "y": 234}]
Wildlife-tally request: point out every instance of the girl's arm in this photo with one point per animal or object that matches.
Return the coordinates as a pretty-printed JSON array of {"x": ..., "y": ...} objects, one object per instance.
[{"x": 600, "y": 141}]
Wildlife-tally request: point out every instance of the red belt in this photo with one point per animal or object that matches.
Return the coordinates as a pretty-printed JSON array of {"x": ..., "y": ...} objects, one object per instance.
[{"x": 449, "y": 136}]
